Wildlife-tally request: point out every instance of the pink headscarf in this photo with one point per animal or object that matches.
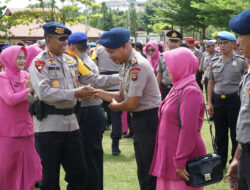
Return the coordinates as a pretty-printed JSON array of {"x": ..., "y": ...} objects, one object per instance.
[
  {"x": 163, "y": 46},
  {"x": 33, "y": 51},
  {"x": 8, "y": 58},
  {"x": 182, "y": 64},
  {"x": 153, "y": 60}
]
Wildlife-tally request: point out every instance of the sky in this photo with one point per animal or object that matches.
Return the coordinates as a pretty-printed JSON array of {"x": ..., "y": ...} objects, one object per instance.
[{"x": 24, "y": 3}]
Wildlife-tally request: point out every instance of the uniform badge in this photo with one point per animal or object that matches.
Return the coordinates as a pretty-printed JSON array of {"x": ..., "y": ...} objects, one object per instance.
[
  {"x": 174, "y": 35},
  {"x": 51, "y": 54},
  {"x": 55, "y": 74},
  {"x": 136, "y": 69},
  {"x": 59, "y": 30},
  {"x": 248, "y": 92},
  {"x": 39, "y": 65},
  {"x": 56, "y": 83},
  {"x": 133, "y": 61},
  {"x": 134, "y": 75},
  {"x": 126, "y": 89},
  {"x": 234, "y": 63}
]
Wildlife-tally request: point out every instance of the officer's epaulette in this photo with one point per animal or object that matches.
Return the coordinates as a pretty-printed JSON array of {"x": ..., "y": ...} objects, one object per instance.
[
  {"x": 133, "y": 61},
  {"x": 239, "y": 56},
  {"x": 215, "y": 58}
]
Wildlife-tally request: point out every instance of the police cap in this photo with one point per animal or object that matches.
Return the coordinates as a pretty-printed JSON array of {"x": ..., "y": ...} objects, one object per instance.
[
  {"x": 240, "y": 23},
  {"x": 209, "y": 42},
  {"x": 56, "y": 28},
  {"x": 77, "y": 37},
  {"x": 115, "y": 38},
  {"x": 174, "y": 35},
  {"x": 225, "y": 35}
]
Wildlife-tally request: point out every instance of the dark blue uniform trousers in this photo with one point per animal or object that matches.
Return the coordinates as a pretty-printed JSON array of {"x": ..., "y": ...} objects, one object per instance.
[{"x": 92, "y": 125}]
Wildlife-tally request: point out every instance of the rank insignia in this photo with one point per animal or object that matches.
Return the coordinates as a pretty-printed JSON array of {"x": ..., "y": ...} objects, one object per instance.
[
  {"x": 134, "y": 75},
  {"x": 59, "y": 30},
  {"x": 51, "y": 54},
  {"x": 126, "y": 89},
  {"x": 248, "y": 92},
  {"x": 56, "y": 83},
  {"x": 174, "y": 35},
  {"x": 39, "y": 65},
  {"x": 234, "y": 63},
  {"x": 133, "y": 61}
]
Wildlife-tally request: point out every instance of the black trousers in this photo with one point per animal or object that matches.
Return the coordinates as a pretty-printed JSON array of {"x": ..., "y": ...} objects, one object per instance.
[
  {"x": 198, "y": 79},
  {"x": 244, "y": 171},
  {"x": 145, "y": 125},
  {"x": 165, "y": 89},
  {"x": 116, "y": 121},
  {"x": 225, "y": 116},
  {"x": 129, "y": 121},
  {"x": 92, "y": 125},
  {"x": 64, "y": 148}
]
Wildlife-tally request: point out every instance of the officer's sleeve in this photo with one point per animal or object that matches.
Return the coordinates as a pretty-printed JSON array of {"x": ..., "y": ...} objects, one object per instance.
[
  {"x": 42, "y": 85},
  {"x": 100, "y": 81},
  {"x": 210, "y": 73},
  {"x": 138, "y": 78},
  {"x": 159, "y": 67},
  {"x": 244, "y": 66}
]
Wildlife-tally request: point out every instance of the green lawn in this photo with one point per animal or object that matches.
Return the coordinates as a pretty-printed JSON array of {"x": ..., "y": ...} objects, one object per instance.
[{"x": 120, "y": 171}]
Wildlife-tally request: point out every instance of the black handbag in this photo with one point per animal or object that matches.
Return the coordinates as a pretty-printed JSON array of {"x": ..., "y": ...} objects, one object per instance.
[{"x": 206, "y": 169}]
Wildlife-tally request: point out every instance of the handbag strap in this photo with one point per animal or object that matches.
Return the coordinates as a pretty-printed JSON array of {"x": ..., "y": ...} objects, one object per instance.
[{"x": 210, "y": 124}]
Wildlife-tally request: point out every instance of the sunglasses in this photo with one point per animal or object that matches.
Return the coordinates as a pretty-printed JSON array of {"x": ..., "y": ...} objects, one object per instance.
[
  {"x": 150, "y": 50},
  {"x": 62, "y": 38},
  {"x": 174, "y": 41}
]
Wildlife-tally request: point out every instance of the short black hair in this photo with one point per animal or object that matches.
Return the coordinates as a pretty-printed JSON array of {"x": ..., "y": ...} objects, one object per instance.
[
  {"x": 160, "y": 48},
  {"x": 82, "y": 46},
  {"x": 138, "y": 45}
]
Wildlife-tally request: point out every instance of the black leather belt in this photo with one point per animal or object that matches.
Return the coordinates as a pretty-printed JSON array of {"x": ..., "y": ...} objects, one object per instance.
[
  {"x": 245, "y": 147},
  {"x": 51, "y": 110},
  {"x": 144, "y": 113},
  {"x": 109, "y": 72},
  {"x": 224, "y": 96}
]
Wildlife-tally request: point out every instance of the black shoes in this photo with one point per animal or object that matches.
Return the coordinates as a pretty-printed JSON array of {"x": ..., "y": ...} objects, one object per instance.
[
  {"x": 129, "y": 135},
  {"x": 115, "y": 147}
]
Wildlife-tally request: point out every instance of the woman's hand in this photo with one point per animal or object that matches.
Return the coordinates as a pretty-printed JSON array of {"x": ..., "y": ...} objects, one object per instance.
[
  {"x": 183, "y": 174},
  {"x": 29, "y": 86}
]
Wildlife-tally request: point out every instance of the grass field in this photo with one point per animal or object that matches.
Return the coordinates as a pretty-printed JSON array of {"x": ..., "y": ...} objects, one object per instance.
[{"x": 120, "y": 171}]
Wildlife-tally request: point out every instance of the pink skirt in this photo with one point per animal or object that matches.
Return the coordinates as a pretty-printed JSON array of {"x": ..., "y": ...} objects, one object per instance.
[
  {"x": 166, "y": 184},
  {"x": 20, "y": 165}
]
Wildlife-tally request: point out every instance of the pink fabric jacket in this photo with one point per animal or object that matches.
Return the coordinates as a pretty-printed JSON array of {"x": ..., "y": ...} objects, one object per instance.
[
  {"x": 175, "y": 147},
  {"x": 154, "y": 61},
  {"x": 14, "y": 115},
  {"x": 32, "y": 52}
]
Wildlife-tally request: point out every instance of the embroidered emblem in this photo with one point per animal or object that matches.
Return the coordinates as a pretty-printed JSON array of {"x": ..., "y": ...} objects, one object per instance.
[
  {"x": 39, "y": 65},
  {"x": 136, "y": 69},
  {"x": 59, "y": 30},
  {"x": 134, "y": 75},
  {"x": 234, "y": 63},
  {"x": 51, "y": 54},
  {"x": 133, "y": 61},
  {"x": 56, "y": 83},
  {"x": 56, "y": 74},
  {"x": 174, "y": 35}
]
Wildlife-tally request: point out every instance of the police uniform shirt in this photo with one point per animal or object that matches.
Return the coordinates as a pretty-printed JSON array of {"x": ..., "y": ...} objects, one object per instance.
[
  {"x": 197, "y": 53},
  {"x": 162, "y": 68},
  {"x": 243, "y": 122},
  {"x": 54, "y": 79},
  {"x": 96, "y": 80},
  {"x": 138, "y": 79},
  {"x": 227, "y": 74}
]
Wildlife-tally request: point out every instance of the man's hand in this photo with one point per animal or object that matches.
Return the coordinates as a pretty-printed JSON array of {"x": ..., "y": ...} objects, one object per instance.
[
  {"x": 29, "y": 86},
  {"x": 210, "y": 109},
  {"x": 85, "y": 93},
  {"x": 203, "y": 81},
  {"x": 113, "y": 105},
  {"x": 183, "y": 174},
  {"x": 232, "y": 173}
]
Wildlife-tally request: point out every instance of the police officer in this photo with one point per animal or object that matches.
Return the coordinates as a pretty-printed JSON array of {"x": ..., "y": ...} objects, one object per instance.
[
  {"x": 91, "y": 117},
  {"x": 58, "y": 139},
  {"x": 174, "y": 41},
  {"x": 239, "y": 170},
  {"x": 107, "y": 67},
  {"x": 223, "y": 99},
  {"x": 139, "y": 94},
  {"x": 206, "y": 58}
]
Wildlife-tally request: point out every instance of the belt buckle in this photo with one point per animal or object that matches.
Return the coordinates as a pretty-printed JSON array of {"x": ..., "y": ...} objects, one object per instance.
[
  {"x": 131, "y": 114},
  {"x": 223, "y": 96},
  {"x": 168, "y": 86}
]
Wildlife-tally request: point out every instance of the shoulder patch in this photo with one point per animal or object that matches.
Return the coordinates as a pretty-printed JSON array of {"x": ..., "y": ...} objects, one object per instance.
[
  {"x": 136, "y": 69},
  {"x": 39, "y": 64},
  {"x": 215, "y": 58}
]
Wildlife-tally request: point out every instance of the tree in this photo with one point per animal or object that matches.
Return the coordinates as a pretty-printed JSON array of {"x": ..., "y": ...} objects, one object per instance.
[
  {"x": 134, "y": 25},
  {"x": 106, "y": 22}
]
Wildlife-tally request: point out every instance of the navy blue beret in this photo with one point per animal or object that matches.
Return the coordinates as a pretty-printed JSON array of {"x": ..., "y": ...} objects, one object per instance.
[
  {"x": 240, "y": 23},
  {"x": 77, "y": 37},
  {"x": 225, "y": 35},
  {"x": 56, "y": 28},
  {"x": 115, "y": 38}
]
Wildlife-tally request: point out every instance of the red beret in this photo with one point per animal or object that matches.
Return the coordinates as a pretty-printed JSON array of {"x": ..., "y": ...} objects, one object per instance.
[
  {"x": 196, "y": 44},
  {"x": 190, "y": 40}
]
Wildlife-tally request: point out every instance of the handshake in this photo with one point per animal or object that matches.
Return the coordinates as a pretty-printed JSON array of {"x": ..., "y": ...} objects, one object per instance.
[{"x": 85, "y": 93}]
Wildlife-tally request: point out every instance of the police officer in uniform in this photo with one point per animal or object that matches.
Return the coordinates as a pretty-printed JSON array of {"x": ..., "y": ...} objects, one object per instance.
[
  {"x": 107, "y": 67},
  {"x": 239, "y": 170},
  {"x": 206, "y": 58},
  {"x": 58, "y": 139},
  {"x": 165, "y": 84},
  {"x": 223, "y": 99},
  {"x": 91, "y": 117},
  {"x": 139, "y": 94}
]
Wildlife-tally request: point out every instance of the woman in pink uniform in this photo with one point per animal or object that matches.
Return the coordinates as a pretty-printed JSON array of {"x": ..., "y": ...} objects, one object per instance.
[
  {"x": 20, "y": 164},
  {"x": 175, "y": 147},
  {"x": 153, "y": 54}
]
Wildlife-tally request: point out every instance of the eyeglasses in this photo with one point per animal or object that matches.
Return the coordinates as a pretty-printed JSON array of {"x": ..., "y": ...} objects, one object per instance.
[
  {"x": 62, "y": 38},
  {"x": 150, "y": 50}
]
